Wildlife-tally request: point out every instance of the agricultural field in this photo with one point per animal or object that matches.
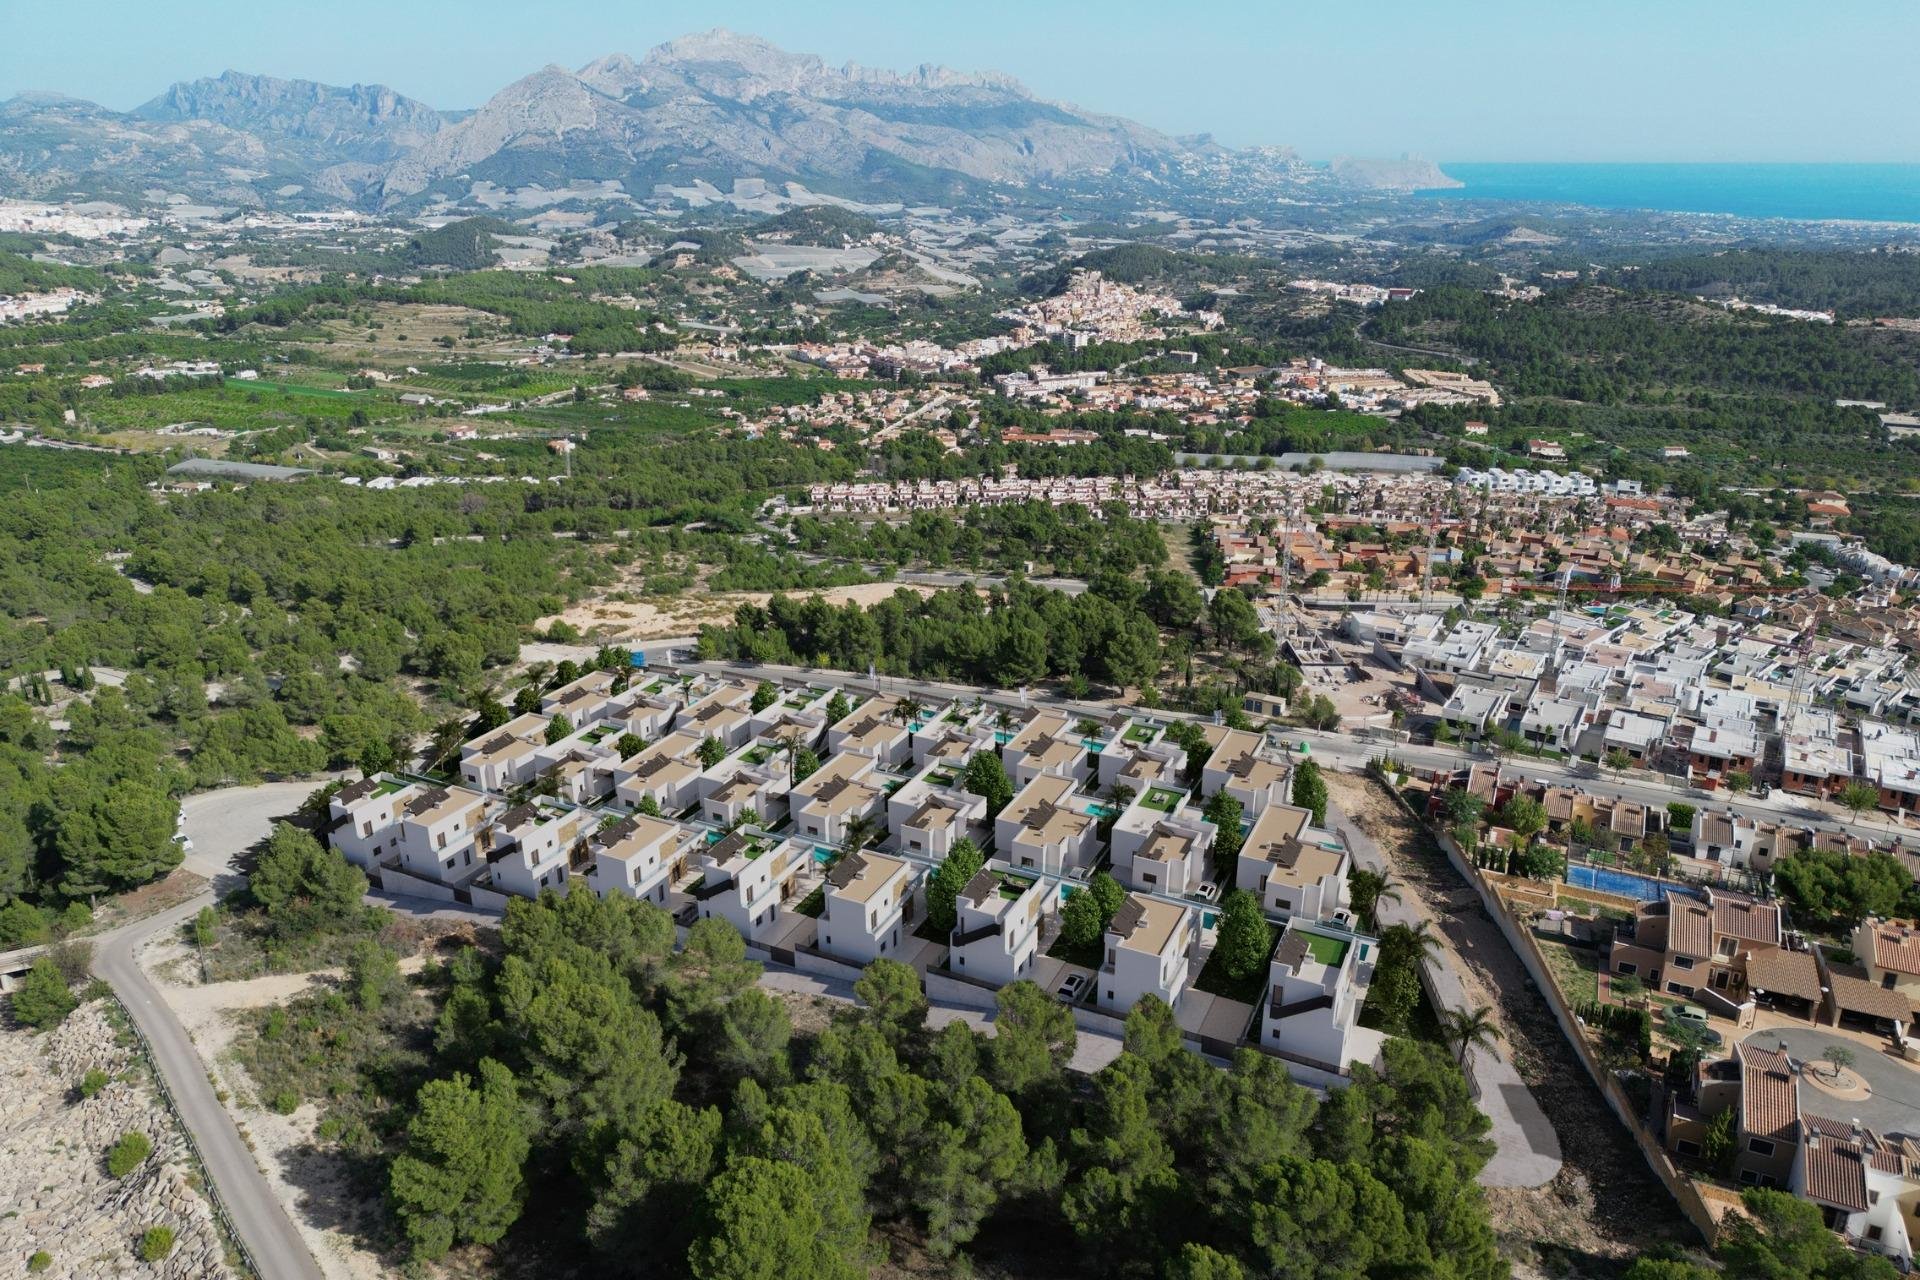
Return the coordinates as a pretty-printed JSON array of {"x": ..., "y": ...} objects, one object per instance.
[{"x": 411, "y": 329}]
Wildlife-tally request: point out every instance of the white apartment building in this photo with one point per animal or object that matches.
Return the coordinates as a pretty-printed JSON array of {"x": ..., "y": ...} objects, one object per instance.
[
  {"x": 996, "y": 932},
  {"x": 869, "y": 899},
  {"x": 1148, "y": 953},
  {"x": 1048, "y": 827},
  {"x": 1296, "y": 870},
  {"x": 1316, "y": 983},
  {"x": 745, "y": 878}
]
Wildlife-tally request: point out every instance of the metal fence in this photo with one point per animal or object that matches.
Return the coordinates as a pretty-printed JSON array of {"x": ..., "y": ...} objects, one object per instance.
[{"x": 222, "y": 1219}]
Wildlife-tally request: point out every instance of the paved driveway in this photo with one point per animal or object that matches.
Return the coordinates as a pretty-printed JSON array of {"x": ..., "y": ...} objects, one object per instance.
[{"x": 1895, "y": 1104}]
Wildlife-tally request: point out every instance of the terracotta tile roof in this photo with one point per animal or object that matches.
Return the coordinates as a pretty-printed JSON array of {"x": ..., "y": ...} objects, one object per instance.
[
  {"x": 1689, "y": 925},
  {"x": 1769, "y": 1107},
  {"x": 1745, "y": 918},
  {"x": 1787, "y": 973},
  {"x": 1835, "y": 1172},
  {"x": 1857, "y": 995},
  {"x": 1896, "y": 946}
]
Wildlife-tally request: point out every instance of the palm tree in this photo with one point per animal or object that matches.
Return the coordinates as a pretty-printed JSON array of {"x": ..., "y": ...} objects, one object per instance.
[
  {"x": 1469, "y": 1031},
  {"x": 908, "y": 709},
  {"x": 1417, "y": 941},
  {"x": 1368, "y": 889},
  {"x": 861, "y": 832}
]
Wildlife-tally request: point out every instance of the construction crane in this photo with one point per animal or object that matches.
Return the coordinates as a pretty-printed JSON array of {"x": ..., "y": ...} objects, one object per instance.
[{"x": 1802, "y": 669}]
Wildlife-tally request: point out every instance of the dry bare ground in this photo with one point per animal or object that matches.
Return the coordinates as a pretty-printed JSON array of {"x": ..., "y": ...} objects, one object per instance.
[
  {"x": 683, "y": 615},
  {"x": 1605, "y": 1207},
  {"x": 303, "y": 1172}
]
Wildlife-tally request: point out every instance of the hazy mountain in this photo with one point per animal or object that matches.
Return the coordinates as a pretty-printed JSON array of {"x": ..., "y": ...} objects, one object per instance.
[
  {"x": 364, "y": 123},
  {"x": 722, "y": 105},
  {"x": 715, "y": 107}
]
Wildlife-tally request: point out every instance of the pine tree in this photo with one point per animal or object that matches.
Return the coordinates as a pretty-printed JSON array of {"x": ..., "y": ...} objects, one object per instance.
[
  {"x": 459, "y": 1179},
  {"x": 1244, "y": 941},
  {"x": 1310, "y": 791},
  {"x": 43, "y": 1000}
]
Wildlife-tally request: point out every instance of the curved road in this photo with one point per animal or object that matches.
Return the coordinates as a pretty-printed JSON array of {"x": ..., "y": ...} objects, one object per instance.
[
  {"x": 222, "y": 825},
  {"x": 257, "y": 1215}
]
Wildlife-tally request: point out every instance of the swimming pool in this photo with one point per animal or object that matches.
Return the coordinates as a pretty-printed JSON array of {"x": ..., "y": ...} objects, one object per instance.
[{"x": 1624, "y": 883}]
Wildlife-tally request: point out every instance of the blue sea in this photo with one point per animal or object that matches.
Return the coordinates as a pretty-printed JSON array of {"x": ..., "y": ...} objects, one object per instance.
[{"x": 1856, "y": 192}]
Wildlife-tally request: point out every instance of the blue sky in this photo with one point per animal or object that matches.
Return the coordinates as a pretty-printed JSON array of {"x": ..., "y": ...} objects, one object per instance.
[{"x": 1606, "y": 80}]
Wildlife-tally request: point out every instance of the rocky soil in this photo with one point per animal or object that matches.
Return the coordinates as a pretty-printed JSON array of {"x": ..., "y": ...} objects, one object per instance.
[
  {"x": 55, "y": 1192},
  {"x": 1605, "y": 1206}
]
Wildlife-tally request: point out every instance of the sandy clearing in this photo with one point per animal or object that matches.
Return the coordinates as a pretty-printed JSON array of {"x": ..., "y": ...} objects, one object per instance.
[
  {"x": 299, "y": 1169},
  {"x": 679, "y": 616}
]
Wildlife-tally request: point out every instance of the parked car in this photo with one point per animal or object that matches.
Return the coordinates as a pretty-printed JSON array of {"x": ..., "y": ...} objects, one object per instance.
[
  {"x": 1692, "y": 1015},
  {"x": 1208, "y": 892},
  {"x": 687, "y": 915},
  {"x": 1070, "y": 989}
]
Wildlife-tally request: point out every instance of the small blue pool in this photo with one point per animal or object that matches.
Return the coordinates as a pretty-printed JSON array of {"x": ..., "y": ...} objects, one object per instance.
[
  {"x": 823, "y": 854},
  {"x": 1624, "y": 883}
]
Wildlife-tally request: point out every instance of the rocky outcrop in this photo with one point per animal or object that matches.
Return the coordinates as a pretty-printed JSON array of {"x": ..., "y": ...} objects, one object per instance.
[
  {"x": 52, "y": 1160},
  {"x": 358, "y": 124},
  {"x": 1408, "y": 173},
  {"x": 726, "y": 104}
]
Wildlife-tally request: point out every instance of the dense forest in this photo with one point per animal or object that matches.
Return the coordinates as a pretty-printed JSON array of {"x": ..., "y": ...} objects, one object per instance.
[
  {"x": 1851, "y": 284},
  {"x": 592, "y": 1096},
  {"x": 1068, "y": 539},
  {"x": 1012, "y": 636},
  {"x": 1603, "y": 346}
]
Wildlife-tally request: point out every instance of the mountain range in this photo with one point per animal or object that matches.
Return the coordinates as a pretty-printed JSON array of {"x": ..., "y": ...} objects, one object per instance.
[{"x": 713, "y": 107}]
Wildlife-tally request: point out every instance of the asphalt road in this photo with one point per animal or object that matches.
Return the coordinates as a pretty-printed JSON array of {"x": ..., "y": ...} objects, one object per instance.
[
  {"x": 263, "y": 1225},
  {"x": 222, "y": 825}
]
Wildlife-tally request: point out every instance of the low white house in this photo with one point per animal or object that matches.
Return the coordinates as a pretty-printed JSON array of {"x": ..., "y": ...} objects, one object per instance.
[
  {"x": 1316, "y": 983},
  {"x": 639, "y": 857},
  {"x": 538, "y": 846},
  {"x": 868, "y": 902},
  {"x": 1048, "y": 827},
  {"x": 745, "y": 878},
  {"x": 1295, "y": 869},
  {"x": 1160, "y": 843},
  {"x": 1149, "y": 947},
  {"x": 996, "y": 932}
]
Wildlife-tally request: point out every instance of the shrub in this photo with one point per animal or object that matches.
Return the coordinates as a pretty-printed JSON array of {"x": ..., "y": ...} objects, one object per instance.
[
  {"x": 39, "y": 1262},
  {"x": 44, "y": 1000},
  {"x": 286, "y": 1102},
  {"x": 93, "y": 1082},
  {"x": 156, "y": 1243},
  {"x": 127, "y": 1153}
]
